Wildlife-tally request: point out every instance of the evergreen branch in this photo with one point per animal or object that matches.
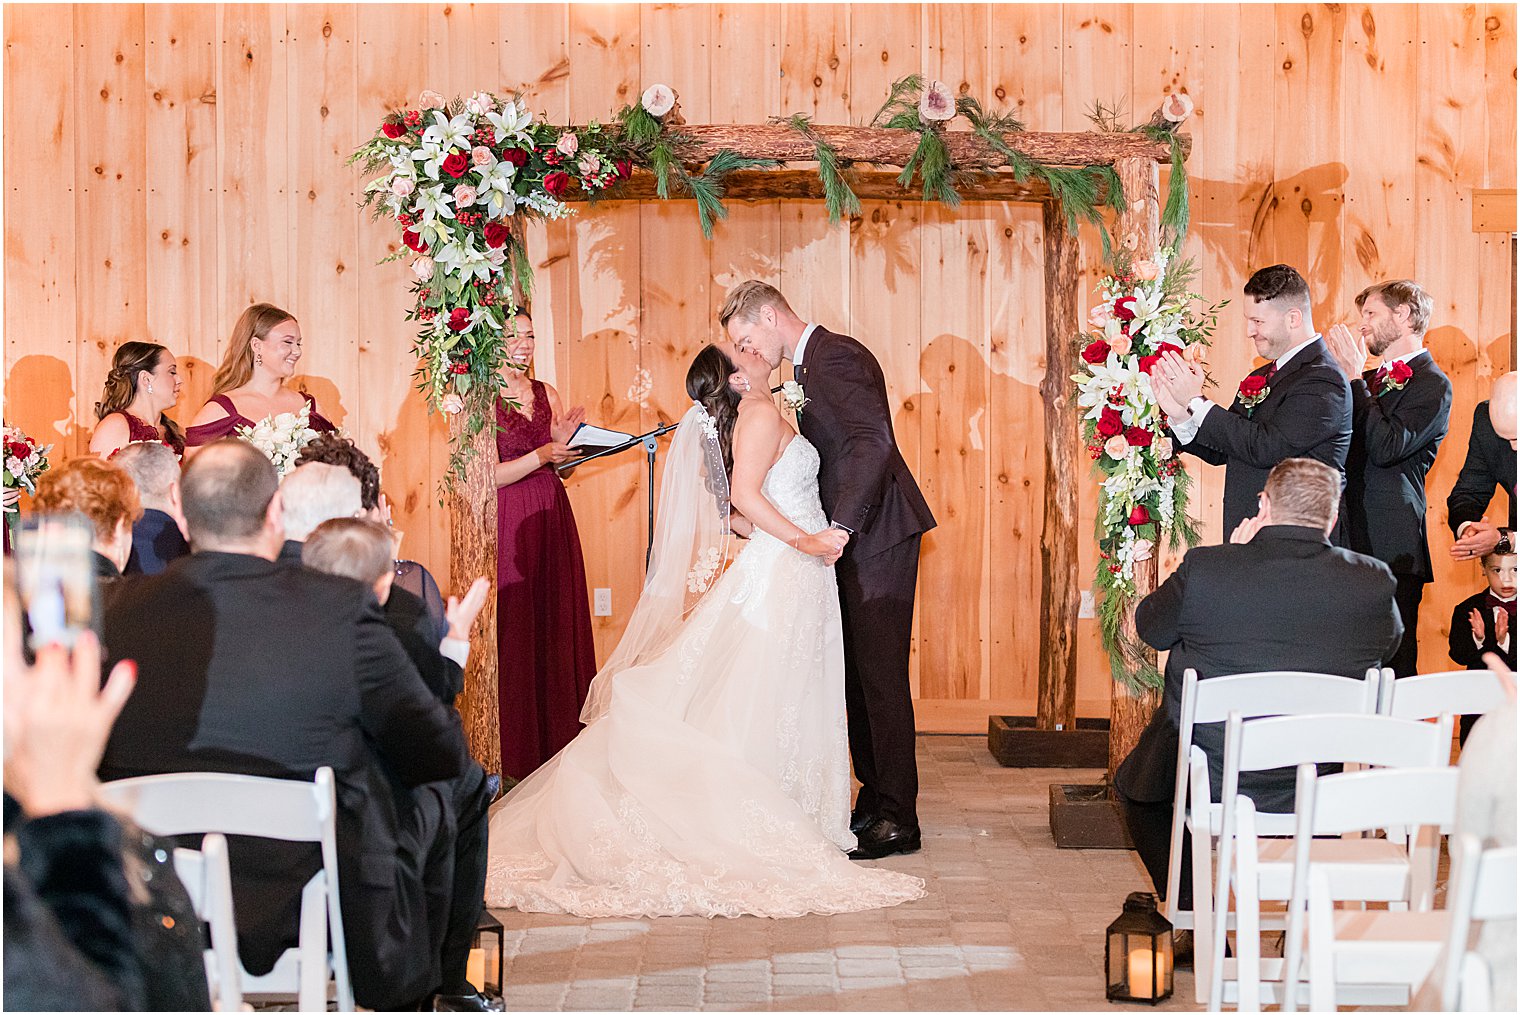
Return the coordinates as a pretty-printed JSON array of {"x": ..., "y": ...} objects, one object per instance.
[
  {"x": 640, "y": 129},
  {"x": 982, "y": 121},
  {"x": 898, "y": 97},
  {"x": 837, "y": 195},
  {"x": 1106, "y": 118}
]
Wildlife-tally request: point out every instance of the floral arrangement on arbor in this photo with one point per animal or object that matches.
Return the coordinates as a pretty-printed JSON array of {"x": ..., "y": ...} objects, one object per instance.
[
  {"x": 1146, "y": 310},
  {"x": 455, "y": 175},
  {"x": 25, "y": 460}
]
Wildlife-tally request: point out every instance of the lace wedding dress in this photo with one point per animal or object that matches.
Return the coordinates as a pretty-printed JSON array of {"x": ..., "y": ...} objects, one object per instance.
[{"x": 716, "y": 782}]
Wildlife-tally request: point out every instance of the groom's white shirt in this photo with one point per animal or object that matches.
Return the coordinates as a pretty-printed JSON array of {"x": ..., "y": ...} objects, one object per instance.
[{"x": 802, "y": 342}]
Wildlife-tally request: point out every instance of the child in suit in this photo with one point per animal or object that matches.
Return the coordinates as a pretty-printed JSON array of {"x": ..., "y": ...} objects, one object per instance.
[{"x": 1486, "y": 622}]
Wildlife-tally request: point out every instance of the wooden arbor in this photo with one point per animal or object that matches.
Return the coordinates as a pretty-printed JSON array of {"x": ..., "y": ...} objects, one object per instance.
[{"x": 1135, "y": 158}]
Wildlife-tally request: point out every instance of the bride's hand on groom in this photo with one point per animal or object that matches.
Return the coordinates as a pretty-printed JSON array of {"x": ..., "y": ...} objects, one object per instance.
[{"x": 827, "y": 544}]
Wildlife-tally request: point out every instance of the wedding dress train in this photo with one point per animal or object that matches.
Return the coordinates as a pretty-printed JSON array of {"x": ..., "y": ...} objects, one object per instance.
[{"x": 717, "y": 782}]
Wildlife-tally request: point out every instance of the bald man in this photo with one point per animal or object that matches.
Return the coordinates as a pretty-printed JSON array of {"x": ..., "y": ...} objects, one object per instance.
[{"x": 1490, "y": 463}]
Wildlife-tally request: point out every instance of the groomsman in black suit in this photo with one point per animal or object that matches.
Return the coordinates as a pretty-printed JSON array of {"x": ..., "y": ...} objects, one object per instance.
[
  {"x": 1297, "y": 406},
  {"x": 1399, "y": 416},
  {"x": 1490, "y": 463},
  {"x": 868, "y": 492},
  {"x": 1278, "y": 596}
]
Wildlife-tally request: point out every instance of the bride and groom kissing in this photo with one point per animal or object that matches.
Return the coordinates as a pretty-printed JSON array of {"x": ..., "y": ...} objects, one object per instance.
[{"x": 713, "y": 776}]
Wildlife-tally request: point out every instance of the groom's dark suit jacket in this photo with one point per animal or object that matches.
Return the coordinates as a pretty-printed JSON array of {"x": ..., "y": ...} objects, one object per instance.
[
  {"x": 1306, "y": 414},
  {"x": 1490, "y": 463},
  {"x": 1287, "y": 600},
  {"x": 863, "y": 481},
  {"x": 1392, "y": 449}
]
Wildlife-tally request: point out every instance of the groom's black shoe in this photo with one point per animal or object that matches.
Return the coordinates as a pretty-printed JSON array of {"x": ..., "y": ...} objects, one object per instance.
[
  {"x": 859, "y": 820},
  {"x": 884, "y": 837}
]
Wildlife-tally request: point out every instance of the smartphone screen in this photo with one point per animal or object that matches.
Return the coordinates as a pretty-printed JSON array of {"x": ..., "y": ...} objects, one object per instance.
[{"x": 55, "y": 576}]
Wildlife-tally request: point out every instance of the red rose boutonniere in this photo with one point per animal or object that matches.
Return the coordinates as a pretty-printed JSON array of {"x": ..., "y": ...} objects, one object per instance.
[
  {"x": 1393, "y": 377},
  {"x": 1252, "y": 391}
]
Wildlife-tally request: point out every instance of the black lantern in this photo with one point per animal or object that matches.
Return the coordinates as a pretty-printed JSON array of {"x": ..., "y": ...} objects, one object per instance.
[
  {"x": 1138, "y": 954},
  {"x": 492, "y": 962}
]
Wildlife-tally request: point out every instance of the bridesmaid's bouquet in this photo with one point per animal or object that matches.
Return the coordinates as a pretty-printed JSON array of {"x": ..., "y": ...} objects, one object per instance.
[
  {"x": 25, "y": 460},
  {"x": 281, "y": 437}
]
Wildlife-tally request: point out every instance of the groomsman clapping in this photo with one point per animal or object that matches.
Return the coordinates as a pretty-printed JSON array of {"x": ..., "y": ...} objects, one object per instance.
[
  {"x": 1399, "y": 415},
  {"x": 1296, "y": 406}
]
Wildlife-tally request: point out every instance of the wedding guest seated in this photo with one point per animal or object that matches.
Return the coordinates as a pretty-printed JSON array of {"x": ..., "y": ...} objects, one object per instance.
[
  {"x": 158, "y": 536},
  {"x": 103, "y": 493},
  {"x": 417, "y": 599},
  {"x": 1485, "y": 622},
  {"x": 250, "y": 384},
  {"x": 95, "y": 918},
  {"x": 276, "y": 671},
  {"x": 310, "y": 495},
  {"x": 142, "y": 385},
  {"x": 365, "y": 551},
  {"x": 1277, "y": 597}
]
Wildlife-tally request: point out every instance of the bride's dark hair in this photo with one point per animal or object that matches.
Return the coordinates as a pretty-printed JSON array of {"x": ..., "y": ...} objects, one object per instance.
[{"x": 707, "y": 383}]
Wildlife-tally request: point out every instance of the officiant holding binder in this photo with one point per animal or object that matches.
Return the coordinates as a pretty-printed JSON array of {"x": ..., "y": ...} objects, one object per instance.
[{"x": 546, "y": 655}]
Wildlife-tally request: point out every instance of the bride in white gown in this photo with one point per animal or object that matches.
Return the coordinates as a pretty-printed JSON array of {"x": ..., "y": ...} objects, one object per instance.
[{"x": 713, "y": 776}]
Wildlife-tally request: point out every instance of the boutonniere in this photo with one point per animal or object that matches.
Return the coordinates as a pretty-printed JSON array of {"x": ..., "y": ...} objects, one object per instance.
[
  {"x": 1393, "y": 377},
  {"x": 1253, "y": 390},
  {"x": 793, "y": 397}
]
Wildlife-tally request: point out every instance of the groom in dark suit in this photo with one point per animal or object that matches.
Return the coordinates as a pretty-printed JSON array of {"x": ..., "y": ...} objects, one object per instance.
[
  {"x": 1399, "y": 415},
  {"x": 867, "y": 491},
  {"x": 1296, "y": 406}
]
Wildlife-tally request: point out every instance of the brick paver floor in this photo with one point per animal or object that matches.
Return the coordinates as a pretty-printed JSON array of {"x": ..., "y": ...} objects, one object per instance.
[{"x": 1011, "y": 923}]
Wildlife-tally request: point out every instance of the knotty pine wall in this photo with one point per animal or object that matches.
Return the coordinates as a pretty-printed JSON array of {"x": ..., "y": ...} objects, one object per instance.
[{"x": 165, "y": 165}]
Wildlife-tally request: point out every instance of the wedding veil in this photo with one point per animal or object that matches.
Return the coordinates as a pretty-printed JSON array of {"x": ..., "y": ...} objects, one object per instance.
[{"x": 689, "y": 553}]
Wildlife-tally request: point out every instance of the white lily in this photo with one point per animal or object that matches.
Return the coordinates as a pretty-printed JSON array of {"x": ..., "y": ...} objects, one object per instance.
[
  {"x": 1147, "y": 303},
  {"x": 463, "y": 260},
  {"x": 433, "y": 203},
  {"x": 447, "y": 133},
  {"x": 495, "y": 190},
  {"x": 431, "y": 156},
  {"x": 513, "y": 119}
]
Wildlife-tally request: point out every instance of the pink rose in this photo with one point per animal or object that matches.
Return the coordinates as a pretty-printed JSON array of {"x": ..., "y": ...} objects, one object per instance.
[
  {"x": 1194, "y": 352},
  {"x": 479, "y": 104},
  {"x": 568, "y": 144},
  {"x": 464, "y": 195},
  {"x": 422, "y": 267},
  {"x": 481, "y": 155},
  {"x": 1161, "y": 447},
  {"x": 403, "y": 186},
  {"x": 1145, "y": 270},
  {"x": 452, "y": 404},
  {"x": 1122, "y": 344},
  {"x": 1141, "y": 549},
  {"x": 431, "y": 100},
  {"x": 1116, "y": 447},
  {"x": 1101, "y": 315}
]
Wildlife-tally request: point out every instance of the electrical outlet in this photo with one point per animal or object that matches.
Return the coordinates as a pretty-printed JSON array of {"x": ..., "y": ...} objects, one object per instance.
[
  {"x": 1088, "y": 608},
  {"x": 601, "y": 603}
]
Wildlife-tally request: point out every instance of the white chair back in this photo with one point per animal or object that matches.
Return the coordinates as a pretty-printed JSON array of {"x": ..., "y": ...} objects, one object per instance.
[
  {"x": 1427, "y": 695},
  {"x": 187, "y": 803},
  {"x": 1482, "y": 887},
  {"x": 207, "y": 878}
]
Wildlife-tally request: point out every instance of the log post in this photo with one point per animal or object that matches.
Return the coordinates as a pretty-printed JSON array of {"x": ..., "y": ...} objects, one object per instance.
[
  {"x": 472, "y": 554},
  {"x": 1138, "y": 231},
  {"x": 1061, "y": 581}
]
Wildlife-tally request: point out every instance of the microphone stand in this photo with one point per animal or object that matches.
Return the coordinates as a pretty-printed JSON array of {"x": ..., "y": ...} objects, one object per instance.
[{"x": 651, "y": 444}]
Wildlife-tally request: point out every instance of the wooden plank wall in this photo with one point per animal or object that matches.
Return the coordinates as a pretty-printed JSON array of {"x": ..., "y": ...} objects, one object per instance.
[{"x": 167, "y": 164}]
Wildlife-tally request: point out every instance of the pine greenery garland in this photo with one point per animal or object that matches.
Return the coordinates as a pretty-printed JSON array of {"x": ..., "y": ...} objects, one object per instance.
[{"x": 837, "y": 195}]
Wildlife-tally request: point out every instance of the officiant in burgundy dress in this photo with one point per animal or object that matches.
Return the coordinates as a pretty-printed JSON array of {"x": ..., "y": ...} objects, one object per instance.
[{"x": 546, "y": 655}]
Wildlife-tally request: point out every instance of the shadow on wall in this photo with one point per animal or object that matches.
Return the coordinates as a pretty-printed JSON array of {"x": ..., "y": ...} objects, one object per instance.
[
  {"x": 44, "y": 414},
  {"x": 329, "y": 398}
]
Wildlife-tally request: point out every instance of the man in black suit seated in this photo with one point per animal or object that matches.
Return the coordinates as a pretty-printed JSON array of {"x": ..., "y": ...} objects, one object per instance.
[
  {"x": 1490, "y": 463},
  {"x": 249, "y": 666},
  {"x": 158, "y": 536},
  {"x": 1399, "y": 415},
  {"x": 1278, "y": 596},
  {"x": 1296, "y": 406}
]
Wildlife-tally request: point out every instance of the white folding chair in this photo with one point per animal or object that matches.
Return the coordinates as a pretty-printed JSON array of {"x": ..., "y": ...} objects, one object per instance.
[
  {"x": 1282, "y": 692},
  {"x": 1368, "y": 868},
  {"x": 1482, "y": 887},
  {"x": 1427, "y": 695},
  {"x": 208, "y": 881},
  {"x": 1389, "y": 948},
  {"x": 199, "y": 802}
]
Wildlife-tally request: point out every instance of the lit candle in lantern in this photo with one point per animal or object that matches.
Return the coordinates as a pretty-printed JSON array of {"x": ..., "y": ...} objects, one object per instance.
[{"x": 1140, "y": 983}]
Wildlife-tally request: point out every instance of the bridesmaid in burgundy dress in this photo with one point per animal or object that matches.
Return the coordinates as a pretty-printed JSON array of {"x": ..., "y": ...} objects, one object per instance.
[
  {"x": 250, "y": 384},
  {"x": 546, "y": 657},
  {"x": 142, "y": 385}
]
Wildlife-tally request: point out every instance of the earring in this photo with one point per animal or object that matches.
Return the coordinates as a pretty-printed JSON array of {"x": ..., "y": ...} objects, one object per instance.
[
  {"x": 150, "y": 387},
  {"x": 258, "y": 359}
]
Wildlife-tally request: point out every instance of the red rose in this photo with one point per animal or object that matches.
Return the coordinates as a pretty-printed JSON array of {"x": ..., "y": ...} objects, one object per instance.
[
  {"x": 17, "y": 449},
  {"x": 1253, "y": 386},
  {"x": 459, "y": 319},
  {"x": 1096, "y": 352},
  {"x": 1124, "y": 308},
  {"x": 516, "y": 156},
  {"x": 1400, "y": 373},
  {"x": 414, "y": 241},
  {"x": 393, "y": 129},
  {"x": 557, "y": 183},
  {"x": 624, "y": 168},
  {"x": 1139, "y": 516},
  {"x": 496, "y": 234},
  {"x": 1138, "y": 436},
  {"x": 1110, "y": 424},
  {"x": 456, "y": 165}
]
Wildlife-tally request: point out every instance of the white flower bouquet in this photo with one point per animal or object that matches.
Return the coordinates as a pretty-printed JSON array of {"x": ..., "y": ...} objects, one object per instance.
[{"x": 281, "y": 437}]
